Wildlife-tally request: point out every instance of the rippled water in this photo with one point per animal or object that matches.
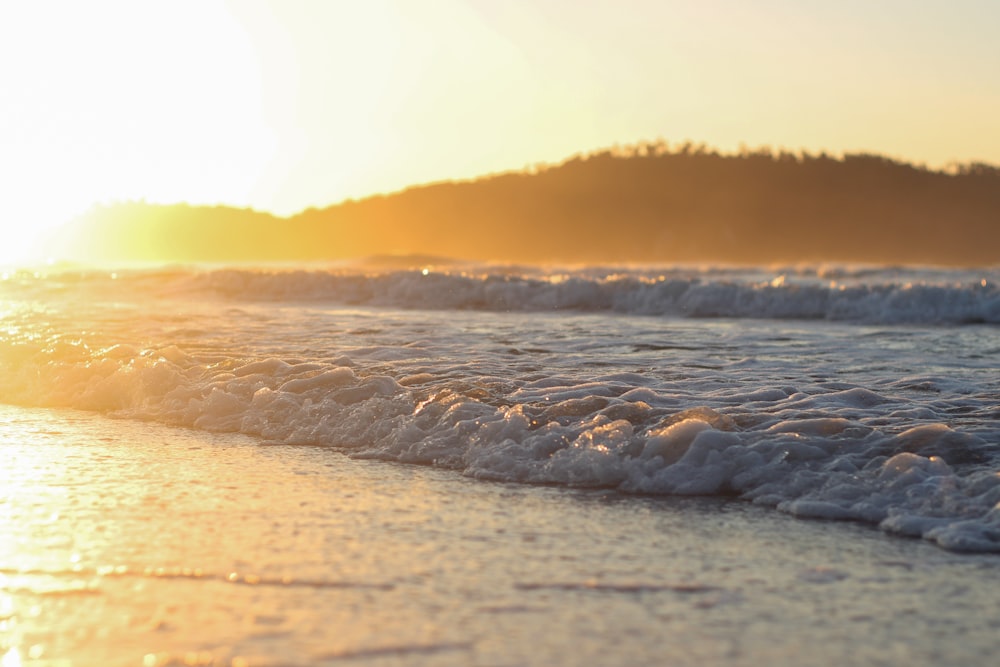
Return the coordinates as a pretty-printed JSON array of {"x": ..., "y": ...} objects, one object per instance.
[
  {"x": 562, "y": 378},
  {"x": 562, "y": 421}
]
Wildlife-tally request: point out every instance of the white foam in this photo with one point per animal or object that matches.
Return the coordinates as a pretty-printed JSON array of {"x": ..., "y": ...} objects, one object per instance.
[
  {"x": 560, "y": 434},
  {"x": 860, "y": 294},
  {"x": 819, "y": 422}
]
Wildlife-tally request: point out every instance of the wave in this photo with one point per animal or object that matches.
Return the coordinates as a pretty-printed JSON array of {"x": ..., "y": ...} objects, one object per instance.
[
  {"x": 697, "y": 407},
  {"x": 849, "y": 294},
  {"x": 808, "y": 454}
]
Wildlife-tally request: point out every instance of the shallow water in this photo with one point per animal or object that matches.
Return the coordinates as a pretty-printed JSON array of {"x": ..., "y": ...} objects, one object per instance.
[
  {"x": 207, "y": 466},
  {"x": 137, "y": 544},
  {"x": 868, "y": 394}
]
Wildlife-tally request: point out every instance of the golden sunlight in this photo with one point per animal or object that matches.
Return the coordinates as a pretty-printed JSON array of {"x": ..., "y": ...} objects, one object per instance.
[
  {"x": 17, "y": 245},
  {"x": 201, "y": 102},
  {"x": 122, "y": 101},
  {"x": 285, "y": 106}
]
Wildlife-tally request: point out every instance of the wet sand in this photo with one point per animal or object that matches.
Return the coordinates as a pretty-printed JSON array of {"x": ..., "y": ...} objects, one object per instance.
[{"x": 124, "y": 543}]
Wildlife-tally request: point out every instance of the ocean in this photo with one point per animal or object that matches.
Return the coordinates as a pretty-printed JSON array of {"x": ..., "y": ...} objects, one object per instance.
[{"x": 419, "y": 461}]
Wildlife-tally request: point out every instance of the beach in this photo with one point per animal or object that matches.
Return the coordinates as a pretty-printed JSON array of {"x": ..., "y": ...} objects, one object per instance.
[
  {"x": 499, "y": 334},
  {"x": 136, "y": 544},
  {"x": 498, "y": 466}
]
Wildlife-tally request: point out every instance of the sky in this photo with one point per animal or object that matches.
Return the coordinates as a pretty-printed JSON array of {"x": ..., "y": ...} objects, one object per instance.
[{"x": 282, "y": 105}]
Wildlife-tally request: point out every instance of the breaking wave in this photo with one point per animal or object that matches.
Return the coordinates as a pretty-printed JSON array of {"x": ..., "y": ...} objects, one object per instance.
[
  {"x": 807, "y": 421},
  {"x": 851, "y": 294}
]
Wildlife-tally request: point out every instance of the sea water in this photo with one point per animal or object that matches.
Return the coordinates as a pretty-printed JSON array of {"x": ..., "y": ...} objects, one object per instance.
[{"x": 609, "y": 460}]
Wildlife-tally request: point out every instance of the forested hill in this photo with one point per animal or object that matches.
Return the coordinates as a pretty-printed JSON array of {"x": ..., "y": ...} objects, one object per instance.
[{"x": 643, "y": 204}]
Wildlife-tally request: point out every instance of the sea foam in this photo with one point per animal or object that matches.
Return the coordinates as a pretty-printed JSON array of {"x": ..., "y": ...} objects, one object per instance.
[
  {"x": 889, "y": 425},
  {"x": 600, "y": 434},
  {"x": 857, "y": 294}
]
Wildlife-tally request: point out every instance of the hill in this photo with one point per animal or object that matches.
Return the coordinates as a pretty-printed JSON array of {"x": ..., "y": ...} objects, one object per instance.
[{"x": 642, "y": 204}]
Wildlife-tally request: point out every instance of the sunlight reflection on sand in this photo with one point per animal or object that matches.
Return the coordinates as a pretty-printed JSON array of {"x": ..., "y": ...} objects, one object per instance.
[{"x": 128, "y": 543}]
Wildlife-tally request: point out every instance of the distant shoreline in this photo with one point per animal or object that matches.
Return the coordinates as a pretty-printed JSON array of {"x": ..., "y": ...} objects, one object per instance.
[{"x": 644, "y": 204}]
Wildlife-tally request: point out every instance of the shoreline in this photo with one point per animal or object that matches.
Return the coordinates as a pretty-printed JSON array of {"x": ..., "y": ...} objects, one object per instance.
[{"x": 136, "y": 543}]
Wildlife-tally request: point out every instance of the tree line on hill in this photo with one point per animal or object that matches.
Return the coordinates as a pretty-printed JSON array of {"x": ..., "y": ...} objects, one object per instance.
[{"x": 644, "y": 203}]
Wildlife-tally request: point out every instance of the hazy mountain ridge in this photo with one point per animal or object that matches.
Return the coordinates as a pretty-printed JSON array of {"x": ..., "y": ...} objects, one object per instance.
[{"x": 643, "y": 204}]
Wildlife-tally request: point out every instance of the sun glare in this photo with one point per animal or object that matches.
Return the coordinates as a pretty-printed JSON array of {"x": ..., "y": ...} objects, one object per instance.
[
  {"x": 15, "y": 250},
  {"x": 106, "y": 105},
  {"x": 21, "y": 236},
  {"x": 282, "y": 106}
]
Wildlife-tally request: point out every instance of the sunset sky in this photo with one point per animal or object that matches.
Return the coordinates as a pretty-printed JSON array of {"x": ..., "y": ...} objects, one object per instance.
[{"x": 285, "y": 104}]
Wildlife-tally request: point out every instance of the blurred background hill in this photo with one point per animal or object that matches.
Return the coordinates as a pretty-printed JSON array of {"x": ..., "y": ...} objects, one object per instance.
[{"x": 641, "y": 203}]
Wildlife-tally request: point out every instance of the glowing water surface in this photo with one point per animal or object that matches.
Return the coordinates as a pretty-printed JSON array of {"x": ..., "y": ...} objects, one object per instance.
[{"x": 124, "y": 543}]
